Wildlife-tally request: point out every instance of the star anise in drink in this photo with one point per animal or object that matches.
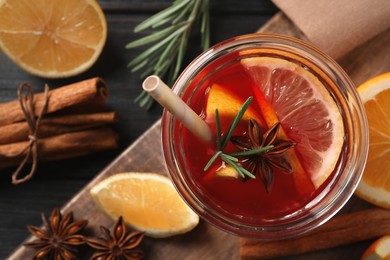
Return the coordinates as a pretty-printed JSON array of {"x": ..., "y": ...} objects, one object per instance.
[
  {"x": 120, "y": 245},
  {"x": 262, "y": 164},
  {"x": 58, "y": 238}
]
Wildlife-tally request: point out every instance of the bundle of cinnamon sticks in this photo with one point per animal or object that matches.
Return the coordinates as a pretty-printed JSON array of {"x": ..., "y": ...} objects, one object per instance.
[{"x": 75, "y": 122}]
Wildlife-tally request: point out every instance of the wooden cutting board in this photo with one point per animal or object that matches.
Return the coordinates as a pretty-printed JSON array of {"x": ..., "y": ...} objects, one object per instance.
[{"x": 205, "y": 241}]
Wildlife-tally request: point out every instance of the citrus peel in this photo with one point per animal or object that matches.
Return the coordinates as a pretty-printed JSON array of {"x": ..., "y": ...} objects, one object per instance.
[
  {"x": 147, "y": 202},
  {"x": 374, "y": 186}
]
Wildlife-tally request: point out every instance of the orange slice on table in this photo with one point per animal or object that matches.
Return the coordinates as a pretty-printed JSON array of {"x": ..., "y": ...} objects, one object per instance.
[
  {"x": 52, "y": 39},
  {"x": 147, "y": 202},
  {"x": 380, "y": 249},
  {"x": 375, "y": 184},
  {"x": 308, "y": 114}
]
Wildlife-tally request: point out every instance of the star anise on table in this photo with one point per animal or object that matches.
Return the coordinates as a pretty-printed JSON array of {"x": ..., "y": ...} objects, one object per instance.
[
  {"x": 58, "y": 238},
  {"x": 121, "y": 245},
  {"x": 263, "y": 163}
]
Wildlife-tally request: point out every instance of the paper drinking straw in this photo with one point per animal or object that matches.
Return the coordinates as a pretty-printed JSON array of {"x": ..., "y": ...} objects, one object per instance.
[{"x": 157, "y": 89}]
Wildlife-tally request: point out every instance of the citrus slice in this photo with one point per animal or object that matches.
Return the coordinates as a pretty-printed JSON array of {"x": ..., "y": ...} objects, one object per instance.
[
  {"x": 147, "y": 202},
  {"x": 374, "y": 186},
  {"x": 227, "y": 104},
  {"x": 308, "y": 114},
  {"x": 380, "y": 249},
  {"x": 52, "y": 39}
]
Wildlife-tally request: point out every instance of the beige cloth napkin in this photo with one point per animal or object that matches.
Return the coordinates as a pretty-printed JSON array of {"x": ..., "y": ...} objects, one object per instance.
[{"x": 338, "y": 26}]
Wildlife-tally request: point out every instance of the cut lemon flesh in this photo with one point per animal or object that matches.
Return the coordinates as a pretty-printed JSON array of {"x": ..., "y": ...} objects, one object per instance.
[
  {"x": 52, "y": 38},
  {"x": 374, "y": 186},
  {"x": 308, "y": 114},
  {"x": 380, "y": 249},
  {"x": 147, "y": 202}
]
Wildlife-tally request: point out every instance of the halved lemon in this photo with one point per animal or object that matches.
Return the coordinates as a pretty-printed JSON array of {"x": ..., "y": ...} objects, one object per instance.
[
  {"x": 52, "y": 39},
  {"x": 374, "y": 186},
  {"x": 147, "y": 202},
  {"x": 308, "y": 114}
]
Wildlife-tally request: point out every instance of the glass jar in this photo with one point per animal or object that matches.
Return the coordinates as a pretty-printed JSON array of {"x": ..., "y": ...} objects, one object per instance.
[{"x": 334, "y": 193}]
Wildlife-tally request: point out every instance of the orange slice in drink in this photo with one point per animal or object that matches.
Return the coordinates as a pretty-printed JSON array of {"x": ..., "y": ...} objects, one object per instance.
[
  {"x": 308, "y": 114},
  {"x": 375, "y": 184},
  {"x": 380, "y": 249},
  {"x": 52, "y": 39},
  {"x": 227, "y": 103}
]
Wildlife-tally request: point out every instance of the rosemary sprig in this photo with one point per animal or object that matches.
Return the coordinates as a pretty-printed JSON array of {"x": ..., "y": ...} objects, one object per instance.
[
  {"x": 231, "y": 159},
  {"x": 235, "y": 122},
  {"x": 164, "y": 56}
]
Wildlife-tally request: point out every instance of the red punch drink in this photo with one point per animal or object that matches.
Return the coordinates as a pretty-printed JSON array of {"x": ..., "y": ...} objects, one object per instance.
[{"x": 304, "y": 112}]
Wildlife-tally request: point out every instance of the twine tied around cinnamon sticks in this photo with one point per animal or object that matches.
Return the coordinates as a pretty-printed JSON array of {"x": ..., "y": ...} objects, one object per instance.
[
  {"x": 27, "y": 105},
  {"x": 62, "y": 123}
]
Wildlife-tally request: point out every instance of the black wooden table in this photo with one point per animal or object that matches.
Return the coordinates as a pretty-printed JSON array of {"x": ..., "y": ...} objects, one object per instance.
[{"x": 56, "y": 182}]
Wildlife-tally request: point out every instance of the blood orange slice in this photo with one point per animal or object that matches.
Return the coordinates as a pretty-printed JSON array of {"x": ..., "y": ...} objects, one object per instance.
[{"x": 308, "y": 114}]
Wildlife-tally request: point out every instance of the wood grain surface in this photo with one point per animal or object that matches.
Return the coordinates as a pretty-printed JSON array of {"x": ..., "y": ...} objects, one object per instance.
[{"x": 206, "y": 242}]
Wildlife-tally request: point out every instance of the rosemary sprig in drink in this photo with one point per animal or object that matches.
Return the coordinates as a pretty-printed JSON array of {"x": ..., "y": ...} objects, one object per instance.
[
  {"x": 165, "y": 55},
  {"x": 230, "y": 159}
]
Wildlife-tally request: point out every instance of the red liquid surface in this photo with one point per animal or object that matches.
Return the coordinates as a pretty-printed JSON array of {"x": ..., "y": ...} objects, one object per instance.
[{"x": 245, "y": 200}]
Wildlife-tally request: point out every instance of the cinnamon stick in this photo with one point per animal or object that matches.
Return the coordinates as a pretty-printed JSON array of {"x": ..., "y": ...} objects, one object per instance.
[
  {"x": 91, "y": 90},
  {"x": 340, "y": 230},
  {"x": 63, "y": 146},
  {"x": 17, "y": 132}
]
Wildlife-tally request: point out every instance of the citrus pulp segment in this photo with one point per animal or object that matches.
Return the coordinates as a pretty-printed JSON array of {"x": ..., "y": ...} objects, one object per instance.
[
  {"x": 147, "y": 201},
  {"x": 374, "y": 186},
  {"x": 307, "y": 112},
  {"x": 52, "y": 39}
]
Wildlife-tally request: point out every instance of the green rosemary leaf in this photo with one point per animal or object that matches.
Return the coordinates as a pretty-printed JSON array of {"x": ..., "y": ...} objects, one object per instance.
[
  {"x": 252, "y": 151},
  {"x": 146, "y": 102},
  {"x": 247, "y": 173},
  {"x": 180, "y": 55},
  {"x": 147, "y": 72},
  {"x": 162, "y": 15},
  {"x": 215, "y": 156},
  {"x": 141, "y": 96},
  {"x": 236, "y": 120},
  {"x": 154, "y": 48},
  {"x": 235, "y": 167},
  {"x": 162, "y": 68},
  {"x": 153, "y": 37},
  {"x": 205, "y": 26},
  {"x": 203, "y": 18},
  {"x": 219, "y": 131},
  {"x": 149, "y": 69},
  {"x": 140, "y": 66},
  {"x": 168, "y": 52},
  {"x": 205, "y": 40},
  {"x": 162, "y": 22},
  {"x": 228, "y": 157},
  {"x": 182, "y": 14}
]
